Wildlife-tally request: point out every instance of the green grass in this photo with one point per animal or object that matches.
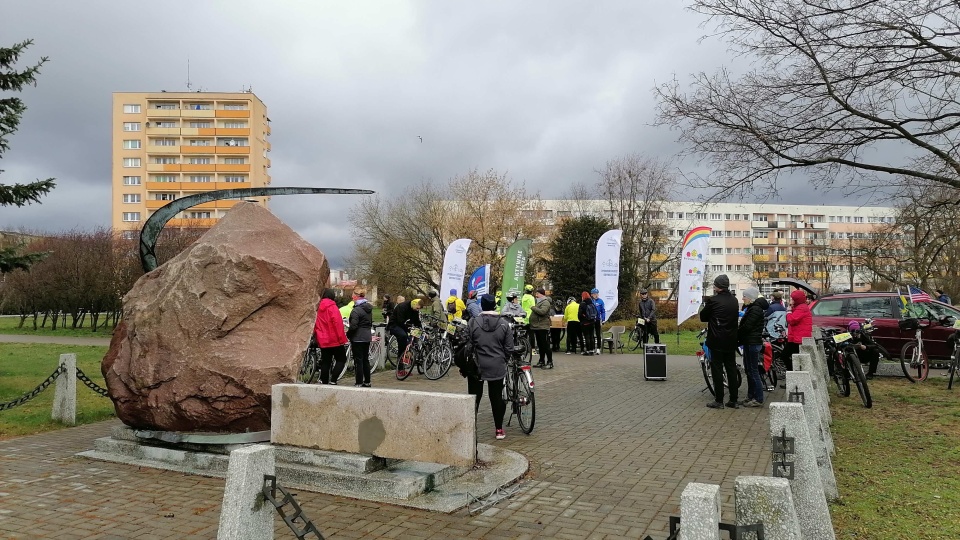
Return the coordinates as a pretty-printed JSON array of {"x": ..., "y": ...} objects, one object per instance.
[
  {"x": 24, "y": 366},
  {"x": 688, "y": 345},
  {"x": 898, "y": 464},
  {"x": 8, "y": 325}
]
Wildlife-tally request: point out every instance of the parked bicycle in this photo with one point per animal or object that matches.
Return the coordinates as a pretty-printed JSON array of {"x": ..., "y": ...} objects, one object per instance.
[
  {"x": 703, "y": 355},
  {"x": 518, "y": 387},
  {"x": 913, "y": 357},
  {"x": 428, "y": 350},
  {"x": 844, "y": 364}
]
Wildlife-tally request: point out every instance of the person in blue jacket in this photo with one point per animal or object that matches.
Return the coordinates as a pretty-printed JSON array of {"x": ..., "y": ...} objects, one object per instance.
[{"x": 601, "y": 316}]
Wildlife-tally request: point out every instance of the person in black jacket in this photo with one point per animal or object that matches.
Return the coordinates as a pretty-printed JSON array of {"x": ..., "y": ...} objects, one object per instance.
[
  {"x": 360, "y": 336},
  {"x": 720, "y": 313},
  {"x": 866, "y": 347},
  {"x": 588, "y": 317},
  {"x": 648, "y": 312},
  {"x": 403, "y": 313},
  {"x": 492, "y": 341},
  {"x": 750, "y": 335}
]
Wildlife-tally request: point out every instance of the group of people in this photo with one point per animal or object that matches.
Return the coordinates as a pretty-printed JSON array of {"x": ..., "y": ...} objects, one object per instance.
[
  {"x": 730, "y": 326},
  {"x": 582, "y": 320},
  {"x": 332, "y": 336}
]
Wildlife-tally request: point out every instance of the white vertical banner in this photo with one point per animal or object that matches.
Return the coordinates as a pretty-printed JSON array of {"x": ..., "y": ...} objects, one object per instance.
[
  {"x": 454, "y": 268},
  {"x": 693, "y": 263},
  {"x": 608, "y": 269}
]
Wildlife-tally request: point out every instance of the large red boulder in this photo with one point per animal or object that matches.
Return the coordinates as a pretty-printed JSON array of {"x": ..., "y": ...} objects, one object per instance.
[{"x": 207, "y": 334}]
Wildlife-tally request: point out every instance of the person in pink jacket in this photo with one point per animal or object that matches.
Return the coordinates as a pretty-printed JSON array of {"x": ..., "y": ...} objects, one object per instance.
[
  {"x": 799, "y": 326},
  {"x": 331, "y": 338}
]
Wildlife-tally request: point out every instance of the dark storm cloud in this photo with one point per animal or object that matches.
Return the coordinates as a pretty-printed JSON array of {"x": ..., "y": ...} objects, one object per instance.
[{"x": 546, "y": 91}]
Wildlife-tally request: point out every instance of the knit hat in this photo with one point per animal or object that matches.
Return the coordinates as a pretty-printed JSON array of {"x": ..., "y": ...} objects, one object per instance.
[
  {"x": 721, "y": 282},
  {"x": 752, "y": 293},
  {"x": 541, "y": 290},
  {"x": 799, "y": 296},
  {"x": 853, "y": 326},
  {"x": 453, "y": 292},
  {"x": 488, "y": 302}
]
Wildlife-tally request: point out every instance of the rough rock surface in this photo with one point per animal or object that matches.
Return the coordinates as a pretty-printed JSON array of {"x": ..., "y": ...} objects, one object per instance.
[{"x": 206, "y": 335}]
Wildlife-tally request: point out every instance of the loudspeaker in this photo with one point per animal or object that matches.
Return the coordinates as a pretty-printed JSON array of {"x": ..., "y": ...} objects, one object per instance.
[{"x": 655, "y": 362}]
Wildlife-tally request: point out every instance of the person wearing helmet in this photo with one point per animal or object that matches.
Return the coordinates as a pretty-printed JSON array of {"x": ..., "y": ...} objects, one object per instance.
[
  {"x": 866, "y": 348},
  {"x": 527, "y": 301},
  {"x": 601, "y": 317},
  {"x": 436, "y": 305},
  {"x": 403, "y": 314},
  {"x": 513, "y": 308},
  {"x": 587, "y": 313},
  {"x": 455, "y": 306},
  {"x": 473, "y": 305}
]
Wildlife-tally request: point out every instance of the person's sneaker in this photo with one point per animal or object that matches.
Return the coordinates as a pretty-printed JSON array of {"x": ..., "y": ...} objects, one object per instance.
[
  {"x": 568, "y": 352},
  {"x": 732, "y": 405},
  {"x": 753, "y": 404},
  {"x": 769, "y": 388},
  {"x": 715, "y": 405},
  {"x": 550, "y": 365},
  {"x": 500, "y": 435},
  {"x": 365, "y": 385},
  {"x": 541, "y": 365},
  {"x": 358, "y": 386}
]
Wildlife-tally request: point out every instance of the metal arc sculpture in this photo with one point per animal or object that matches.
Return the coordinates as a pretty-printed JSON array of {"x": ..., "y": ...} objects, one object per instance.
[{"x": 154, "y": 224}]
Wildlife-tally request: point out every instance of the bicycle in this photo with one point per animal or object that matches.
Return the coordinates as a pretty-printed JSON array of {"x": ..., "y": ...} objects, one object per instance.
[
  {"x": 913, "y": 358},
  {"x": 777, "y": 370},
  {"x": 310, "y": 365},
  {"x": 703, "y": 355},
  {"x": 518, "y": 389},
  {"x": 844, "y": 364},
  {"x": 639, "y": 333},
  {"x": 428, "y": 350}
]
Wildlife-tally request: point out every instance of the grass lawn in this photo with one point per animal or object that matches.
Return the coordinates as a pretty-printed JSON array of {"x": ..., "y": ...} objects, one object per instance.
[
  {"x": 24, "y": 366},
  {"x": 8, "y": 325},
  {"x": 898, "y": 464},
  {"x": 688, "y": 344}
]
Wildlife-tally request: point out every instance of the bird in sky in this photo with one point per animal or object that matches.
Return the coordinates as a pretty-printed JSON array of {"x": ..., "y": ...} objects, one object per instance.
[{"x": 421, "y": 138}]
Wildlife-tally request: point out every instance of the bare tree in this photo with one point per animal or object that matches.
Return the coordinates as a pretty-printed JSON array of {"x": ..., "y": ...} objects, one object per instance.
[{"x": 848, "y": 91}]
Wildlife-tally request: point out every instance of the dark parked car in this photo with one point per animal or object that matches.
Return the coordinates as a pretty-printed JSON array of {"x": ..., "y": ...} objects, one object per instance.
[{"x": 887, "y": 309}]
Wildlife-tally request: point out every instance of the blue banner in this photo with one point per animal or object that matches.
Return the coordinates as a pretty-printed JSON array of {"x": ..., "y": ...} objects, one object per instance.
[{"x": 479, "y": 280}]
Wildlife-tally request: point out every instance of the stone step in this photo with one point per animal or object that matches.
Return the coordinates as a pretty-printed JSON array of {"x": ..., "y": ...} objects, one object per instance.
[{"x": 402, "y": 481}]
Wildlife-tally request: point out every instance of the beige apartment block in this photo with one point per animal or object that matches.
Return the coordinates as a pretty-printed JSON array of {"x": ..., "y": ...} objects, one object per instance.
[{"x": 167, "y": 145}]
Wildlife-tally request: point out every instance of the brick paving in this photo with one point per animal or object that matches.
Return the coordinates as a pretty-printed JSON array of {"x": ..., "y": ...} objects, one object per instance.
[{"x": 609, "y": 457}]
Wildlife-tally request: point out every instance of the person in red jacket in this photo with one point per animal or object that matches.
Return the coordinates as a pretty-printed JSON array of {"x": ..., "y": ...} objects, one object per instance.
[
  {"x": 799, "y": 326},
  {"x": 328, "y": 329}
]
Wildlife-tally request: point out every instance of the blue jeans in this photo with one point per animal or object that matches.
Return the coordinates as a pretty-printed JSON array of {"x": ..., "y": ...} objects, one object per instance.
[{"x": 751, "y": 363}]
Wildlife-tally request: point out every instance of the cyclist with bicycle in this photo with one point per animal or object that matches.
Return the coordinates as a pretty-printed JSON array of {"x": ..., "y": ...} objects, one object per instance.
[
  {"x": 720, "y": 313},
  {"x": 361, "y": 335},
  {"x": 750, "y": 335},
  {"x": 492, "y": 341},
  {"x": 328, "y": 330},
  {"x": 648, "y": 312},
  {"x": 404, "y": 314},
  {"x": 866, "y": 348}
]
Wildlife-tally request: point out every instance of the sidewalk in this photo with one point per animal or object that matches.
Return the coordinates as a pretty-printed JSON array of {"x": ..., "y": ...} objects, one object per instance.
[
  {"x": 60, "y": 340},
  {"x": 609, "y": 457}
]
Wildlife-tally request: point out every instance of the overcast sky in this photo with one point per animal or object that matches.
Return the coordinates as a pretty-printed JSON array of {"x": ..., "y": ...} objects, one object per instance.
[{"x": 544, "y": 91}]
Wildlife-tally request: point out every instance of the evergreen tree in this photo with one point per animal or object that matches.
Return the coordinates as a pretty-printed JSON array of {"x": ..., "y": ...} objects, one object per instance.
[{"x": 11, "y": 109}]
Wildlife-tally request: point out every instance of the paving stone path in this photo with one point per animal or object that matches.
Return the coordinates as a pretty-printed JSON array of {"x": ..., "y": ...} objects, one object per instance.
[{"x": 609, "y": 457}]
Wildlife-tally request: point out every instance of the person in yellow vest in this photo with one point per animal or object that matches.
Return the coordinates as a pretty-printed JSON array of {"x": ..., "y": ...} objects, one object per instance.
[
  {"x": 346, "y": 310},
  {"x": 527, "y": 301},
  {"x": 572, "y": 318},
  {"x": 455, "y": 306}
]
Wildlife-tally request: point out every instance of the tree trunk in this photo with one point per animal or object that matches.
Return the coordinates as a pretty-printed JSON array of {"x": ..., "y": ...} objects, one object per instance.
[
  {"x": 23, "y": 319},
  {"x": 94, "y": 315},
  {"x": 53, "y": 324},
  {"x": 43, "y": 323}
]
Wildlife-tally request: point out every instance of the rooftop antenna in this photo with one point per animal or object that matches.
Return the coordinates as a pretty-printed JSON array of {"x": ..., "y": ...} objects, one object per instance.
[{"x": 188, "y": 74}]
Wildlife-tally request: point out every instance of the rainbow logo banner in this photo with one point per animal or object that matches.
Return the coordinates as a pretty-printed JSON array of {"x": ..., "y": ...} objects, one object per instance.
[{"x": 693, "y": 265}]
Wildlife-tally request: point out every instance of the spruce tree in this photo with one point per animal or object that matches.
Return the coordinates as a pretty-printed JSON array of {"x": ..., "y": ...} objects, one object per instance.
[{"x": 11, "y": 109}]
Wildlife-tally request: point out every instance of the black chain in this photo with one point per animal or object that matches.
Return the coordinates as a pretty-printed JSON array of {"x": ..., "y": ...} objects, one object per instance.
[
  {"x": 82, "y": 377},
  {"x": 36, "y": 391}
]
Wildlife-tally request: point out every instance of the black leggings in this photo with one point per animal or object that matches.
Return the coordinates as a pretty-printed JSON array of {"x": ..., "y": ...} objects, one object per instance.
[
  {"x": 361, "y": 361},
  {"x": 497, "y": 404},
  {"x": 543, "y": 345},
  {"x": 789, "y": 350},
  {"x": 326, "y": 353}
]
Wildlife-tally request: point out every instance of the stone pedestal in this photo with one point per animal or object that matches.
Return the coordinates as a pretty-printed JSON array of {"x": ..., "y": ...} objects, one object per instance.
[
  {"x": 245, "y": 513},
  {"x": 762, "y": 499},
  {"x": 700, "y": 512},
  {"x": 805, "y": 362},
  {"x": 65, "y": 393},
  {"x": 819, "y": 431}
]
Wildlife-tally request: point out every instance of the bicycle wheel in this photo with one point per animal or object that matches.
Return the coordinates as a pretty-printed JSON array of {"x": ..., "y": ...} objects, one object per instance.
[
  {"x": 309, "y": 366},
  {"x": 390, "y": 351},
  {"x": 953, "y": 369},
  {"x": 525, "y": 404},
  {"x": 405, "y": 364},
  {"x": 439, "y": 362},
  {"x": 842, "y": 377},
  {"x": 346, "y": 365},
  {"x": 707, "y": 378},
  {"x": 636, "y": 338},
  {"x": 914, "y": 362},
  {"x": 856, "y": 370},
  {"x": 376, "y": 354},
  {"x": 769, "y": 377}
]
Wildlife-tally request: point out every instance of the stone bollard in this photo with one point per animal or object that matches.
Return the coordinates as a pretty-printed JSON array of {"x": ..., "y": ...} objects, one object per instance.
[
  {"x": 700, "y": 512},
  {"x": 804, "y": 362},
  {"x": 762, "y": 499},
  {"x": 806, "y": 485},
  {"x": 819, "y": 431},
  {"x": 815, "y": 350},
  {"x": 245, "y": 513},
  {"x": 65, "y": 393}
]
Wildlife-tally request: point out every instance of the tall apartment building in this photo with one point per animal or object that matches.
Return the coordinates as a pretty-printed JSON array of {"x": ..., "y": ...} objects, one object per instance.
[
  {"x": 167, "y": 145},
  {"x": 762, "y": 242}
]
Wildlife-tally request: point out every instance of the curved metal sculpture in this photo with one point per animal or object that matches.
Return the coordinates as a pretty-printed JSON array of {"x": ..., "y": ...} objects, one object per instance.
[{"x": 154, "y": 224}]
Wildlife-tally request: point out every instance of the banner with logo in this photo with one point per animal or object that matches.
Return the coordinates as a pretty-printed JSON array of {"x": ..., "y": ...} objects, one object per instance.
[
  {"x": 607, "y": 273},
  {"x": 693, "y": 263},
  {"x": 514, "y": 268},
  {"x": 479, "y": 280},
  {"x": 454, "y": 268}
]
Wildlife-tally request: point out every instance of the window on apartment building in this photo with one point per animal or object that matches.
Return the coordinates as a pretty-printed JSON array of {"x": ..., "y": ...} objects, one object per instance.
[
  {"x": 163, "y": 178},
  {"x": 166, "y": 106},
  {"x": 131, "y": 126},
  {"x": 234, "y": 161},
  {"x": 131, "y": 109},
  {"x": 165, "y": 160},
  {"x": 680, "y": 233},
  {"x": 245, "y": 142},
  {"x": 166, "y": 124},
  {"x": 794, "y": 217},
  {"x": 729, "y": 251},
  {"x": 164, "y": 196},
  {"x": 200, "y": 161},
  {"x": 131, "y": 180},
  {"x": 715, "y": 217},
  {"x": 199, "y": 142},
  {"x": 679, "y": 215},
  {"x": 716, "y": 267},
  {"x": 198, "y": 106},
  {"x": 858, "y": 219},
  {"x": 716, "y": 251},
  {"x": 234, "y": 106},
  {"x": 200, "y": 178},
  {"x": 201, "y": 124},
  {"x": 129, "y": 235},
  {"x": 131, "y": 144},
  {"x": 234, "y": 178},
  {"x": 234, "y": 125},
  {"x": 760, "y": 217},
  {"x": 729, "y": 268},
  {"x": 815, "y": 219},
  {"x": 737, "y": 251},
  {"x": 702, "y": 215},
  {"x": 759, "y": 234},
  {"x": 131, "y": 216},
  {"x": 199, "y": 215},
  {"x": 716, "y": 234},
  {"x": 131, "y": 198},
  {"x": 164, "y": 142},
  {"x": 747, "y": 251},
  {"x": 131, "y": 162},
  {"x": 728, "y": 217},
  {"x": 728, "y": 234}
]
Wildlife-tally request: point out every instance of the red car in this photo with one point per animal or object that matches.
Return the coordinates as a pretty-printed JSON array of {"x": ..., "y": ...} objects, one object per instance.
[{"x": 887, "y": 310}]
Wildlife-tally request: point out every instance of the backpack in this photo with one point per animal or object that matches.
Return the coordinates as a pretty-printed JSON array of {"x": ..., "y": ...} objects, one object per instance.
[
  {"x": 465, "y": 358},
  {"x": 590, "y": 312},
  {"x": 452, "y": 306}
]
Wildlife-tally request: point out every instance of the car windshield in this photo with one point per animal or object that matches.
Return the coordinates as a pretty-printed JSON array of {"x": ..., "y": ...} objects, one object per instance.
[{"x": 928, "y": 310}]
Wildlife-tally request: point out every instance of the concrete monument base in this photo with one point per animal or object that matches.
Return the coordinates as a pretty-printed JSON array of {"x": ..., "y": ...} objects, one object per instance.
[{"x": 428, "y": 486}]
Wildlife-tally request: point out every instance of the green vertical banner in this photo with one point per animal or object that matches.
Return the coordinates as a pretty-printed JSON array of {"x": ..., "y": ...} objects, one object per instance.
[{"x": 514, "y": 268}]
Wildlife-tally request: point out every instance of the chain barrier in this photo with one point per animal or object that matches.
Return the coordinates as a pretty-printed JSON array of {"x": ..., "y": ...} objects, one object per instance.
[
  {"x": 269, "y": 490},
  {"x": 82, "y": 377},
  {"x": 35, "y": 392}
]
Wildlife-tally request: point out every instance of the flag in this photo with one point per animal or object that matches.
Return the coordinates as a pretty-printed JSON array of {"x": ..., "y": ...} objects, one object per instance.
[
  {"x": 607, "y": 273},
  {"x": 693, "y": 259},
  {"x": 454, "y": 267},
  {"x": 917, "y": 295},
  {"x": 478, "y": 280},
  {"x": 514, "y": 268}
]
